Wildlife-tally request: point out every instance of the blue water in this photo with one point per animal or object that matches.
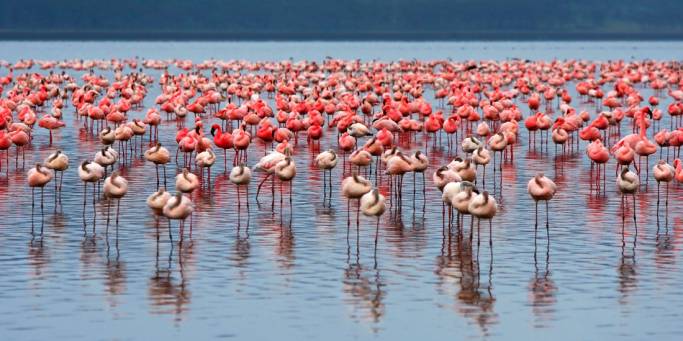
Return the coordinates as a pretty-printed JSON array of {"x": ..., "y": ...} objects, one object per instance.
[{"x": 300, "y": 274}]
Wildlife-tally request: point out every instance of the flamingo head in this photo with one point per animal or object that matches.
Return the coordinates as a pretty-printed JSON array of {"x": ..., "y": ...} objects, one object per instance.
[{"x": 214, "y": 127}]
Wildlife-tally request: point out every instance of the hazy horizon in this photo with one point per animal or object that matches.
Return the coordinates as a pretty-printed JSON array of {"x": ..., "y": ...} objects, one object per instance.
[{"x": 355, "y": 20}]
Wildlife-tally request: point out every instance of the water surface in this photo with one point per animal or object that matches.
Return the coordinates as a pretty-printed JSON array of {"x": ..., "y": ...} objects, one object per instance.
[{"x": 300, "y": 273}]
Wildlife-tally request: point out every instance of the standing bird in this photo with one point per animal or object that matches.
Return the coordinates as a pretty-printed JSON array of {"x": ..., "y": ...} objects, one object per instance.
[
  {"x": 461, "y": 201},
  {"x": 5, "y": 144},
  {"x": 326, "y": 161},
  {"x": 373, "y": 204},
  {"x": 178, "y": 207},
  {"x": 58, "y": 162},
  {"x": 354, "y": 187},
  {"x": 420, "y": 163},
  {"x": 222, "y": 140},
  {"x": 157, "y": 200},
  {"x": 541, "y": 188},
  {"x": 628, "y": 183},
  {"x": 449, "y": 191},
  {"x": 444, "y": 176},
  {"x": 39, "y": 176},
  {"x": 285, "y": 171},
  {"x": 206, "y": 159},
  {"x": 483, "y": 206},
  {"x": 481, "y": 157},
  {"x": 158, "y": 155},
  {"x": 470, "y": 144},
  {"x": 498, "y": 142},
  {"x": 465, "y": 169},
  {"x": 186, "y": 182},
  {"x": 115, "y": 187},
  {"x": 267, "y": 164},
  {"x": 241, "y": 176},
  {"x": 107, "y": 136},
  {"x": 360, "y": 158},
  {"x": 20, "y": 139},
  {"x": 398, "y": 165},
  {"x": 90, "y": 172},
  {"x": 663, "y": 172},
  {"x": 106, "y": 157}
]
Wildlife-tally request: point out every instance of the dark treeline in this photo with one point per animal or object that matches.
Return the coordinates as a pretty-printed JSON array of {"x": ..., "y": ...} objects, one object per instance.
[{"x": 344, "y": 19}]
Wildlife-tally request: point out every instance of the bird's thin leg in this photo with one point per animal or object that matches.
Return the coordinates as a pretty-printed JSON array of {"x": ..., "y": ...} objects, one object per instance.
[
  {"x": 170, "y": 235},
  {"x": 42, "y": 189},
  {"x": 547, "y": 220},
  {"x": 478, "y": 234},
  {"x": 376, "y": 234},
  {"x": 247, "y": 198},
  {"x": 490, "y": 234},
  {"x": 258, "y": 190},
  {"x": 634, "y": 211},
  {"x": 94, "y": 216},
  {"x": 106, "y": 231},
  {"x": 33, "y": 200}
]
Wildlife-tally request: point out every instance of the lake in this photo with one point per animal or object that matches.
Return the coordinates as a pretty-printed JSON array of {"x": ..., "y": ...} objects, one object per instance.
[{"x": 301, "y": 274}]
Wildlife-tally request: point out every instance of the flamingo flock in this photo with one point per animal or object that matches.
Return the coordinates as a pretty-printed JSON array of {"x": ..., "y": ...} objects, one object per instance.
[{"x": 379, "y": 121}]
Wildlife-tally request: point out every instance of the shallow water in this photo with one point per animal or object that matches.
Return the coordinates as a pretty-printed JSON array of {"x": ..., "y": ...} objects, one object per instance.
[{"x": 300, "y": 273}]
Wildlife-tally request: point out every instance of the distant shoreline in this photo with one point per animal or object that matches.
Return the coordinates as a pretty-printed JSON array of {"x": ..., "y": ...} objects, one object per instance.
[{"x": 337, "y": 36}]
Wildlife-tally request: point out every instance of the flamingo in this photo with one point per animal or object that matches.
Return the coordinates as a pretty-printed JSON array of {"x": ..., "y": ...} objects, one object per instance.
[
  {"x": 461, "y": 201},
  {"x": 222, "y": 140},
  {"x": 115, "y": 187},
  {"x": 465, "y": 169},
  {"x": 373, "y": 204},
  {"x": 326, "y": 161},
  {"x": 663, "y": 172},
  {"x": 444, "y": 176},
  {"x": 158, "y": 155},
  {"x": 481, "y": 157},
  {"x": 58, "y": 162},
  {"x": 241, "y": 176},
  {"x": 398, "y": 165},
  {"x": 39, "y": 176},
  {"x": 541, "y": 188},
  {"x": 354, "y": 187},
  {"x": 157, "y": 200},
  {"x": 483, "y": 206},
  {"x": 186, "y": 182},
  {"x": 106, "y": 157},
  {"x": 285, "y": 170},
  {"x": 178, "y": 207},
  {"x": 470, "y": 144},
  {"x": 419, "y": 162},
  {"x": 206, "y": 159},
  {"x": 498, "y": 142},
  {"x": 50, "y": 123},
  {"x": 678, "y": 174},
  {"x": 20, "y": 139},
  {"x": 90, "y": 172},
  {"x": 107, "y": 136},
  {"x": 267, "y": 165},
  {"x": 241, "y": 140},
  {"x": 360, "y": 158},
  {"x": 627, "y": 183},
  {"x": 5, "y": 144}
]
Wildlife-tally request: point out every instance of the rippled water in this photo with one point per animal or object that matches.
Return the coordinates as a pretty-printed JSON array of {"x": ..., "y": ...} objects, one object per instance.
[{"x": 300, "y": 273}]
